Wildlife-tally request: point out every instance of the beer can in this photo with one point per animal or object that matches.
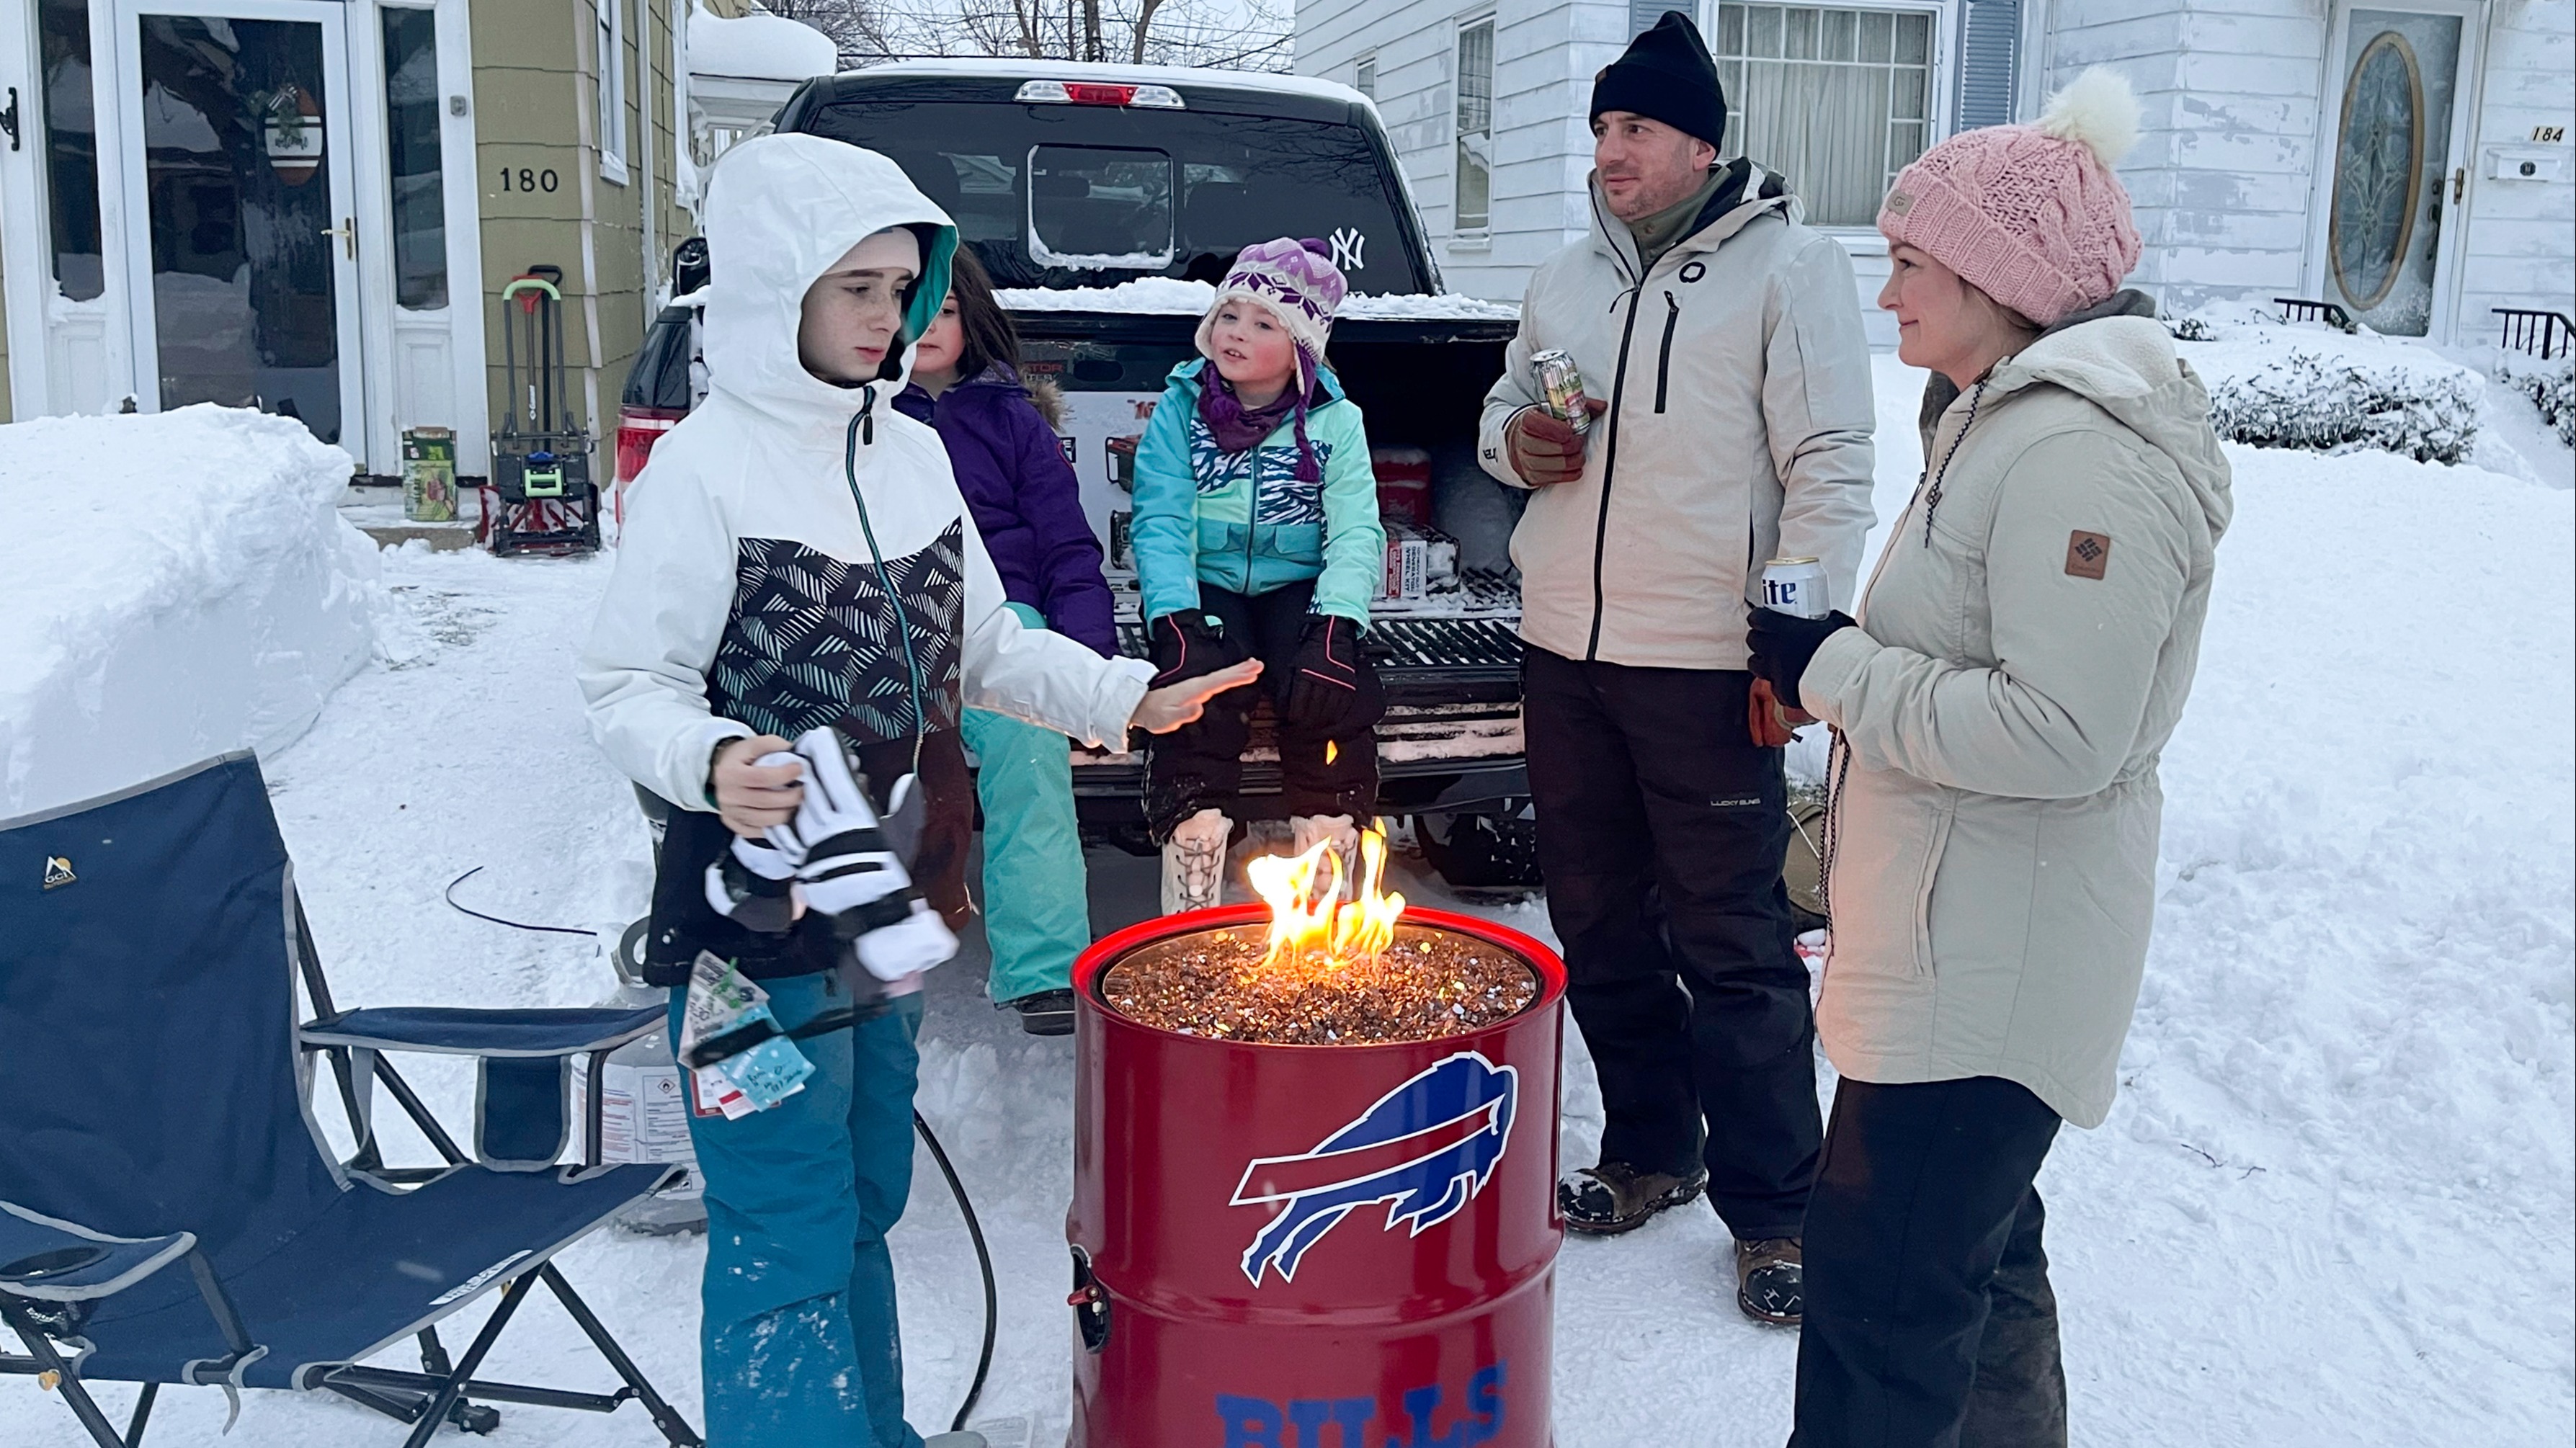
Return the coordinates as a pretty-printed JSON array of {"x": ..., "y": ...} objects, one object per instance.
[
  {"x": 1562, "y": 384},
  {"x": 1795, "y": 586}
]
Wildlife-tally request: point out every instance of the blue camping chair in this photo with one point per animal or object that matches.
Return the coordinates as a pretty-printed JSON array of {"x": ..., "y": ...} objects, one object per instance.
[{"x": 150, "y": 947}]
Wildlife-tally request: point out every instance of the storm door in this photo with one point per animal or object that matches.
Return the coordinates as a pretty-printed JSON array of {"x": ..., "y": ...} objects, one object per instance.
[
  {"x": 240, "y": 210},
  {"x": 2396, "y": 167}
]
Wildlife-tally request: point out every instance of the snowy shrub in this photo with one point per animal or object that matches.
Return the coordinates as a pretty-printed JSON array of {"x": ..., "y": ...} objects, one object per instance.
[
  {"x": 2551, "y": 386},
  {"x": 2315, "y": 388}
]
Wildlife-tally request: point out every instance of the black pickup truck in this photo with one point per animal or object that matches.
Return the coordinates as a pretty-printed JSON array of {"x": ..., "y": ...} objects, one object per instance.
[{"x": 1104, "y": 199}]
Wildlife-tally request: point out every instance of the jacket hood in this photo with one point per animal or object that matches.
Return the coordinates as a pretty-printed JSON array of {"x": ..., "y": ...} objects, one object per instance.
[
  {"x": 781, "y": 209},
  {"x": 2126, "y": 365},
  {"x": 1747, "y": 191}
]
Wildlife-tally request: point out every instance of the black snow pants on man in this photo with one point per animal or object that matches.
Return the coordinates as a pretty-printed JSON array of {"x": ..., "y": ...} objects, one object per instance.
[
  {"x": 1930, "y": 1322},
  {"x": 1661, "y": 830}
]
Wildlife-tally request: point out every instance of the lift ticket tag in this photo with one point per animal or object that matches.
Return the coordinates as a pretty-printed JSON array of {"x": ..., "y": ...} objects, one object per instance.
[{"x": 722, "y": 1000}]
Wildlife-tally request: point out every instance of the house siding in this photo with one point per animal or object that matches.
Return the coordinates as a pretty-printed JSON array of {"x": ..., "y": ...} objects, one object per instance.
[{"x": 2521, "y": 247}]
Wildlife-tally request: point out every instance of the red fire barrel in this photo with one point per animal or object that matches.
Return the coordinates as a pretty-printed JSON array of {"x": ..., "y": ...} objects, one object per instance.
[{"x": 1291, "y": 1246}]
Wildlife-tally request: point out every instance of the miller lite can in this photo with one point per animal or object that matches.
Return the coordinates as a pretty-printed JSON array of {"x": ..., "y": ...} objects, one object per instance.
[
  {"x": 1796, "y": 587},
  {"x": 1561, "y": 382}
]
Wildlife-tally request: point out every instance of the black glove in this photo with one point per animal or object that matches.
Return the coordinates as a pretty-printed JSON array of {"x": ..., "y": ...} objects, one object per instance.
[
  {"x": 1189, "y": 642},
  {"x": 1334, "y": 690},
  {"x": 1784, "y": 644}
]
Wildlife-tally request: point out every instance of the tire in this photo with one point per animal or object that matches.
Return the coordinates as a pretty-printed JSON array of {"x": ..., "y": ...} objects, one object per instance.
[{"x": 1497, "y": 851}]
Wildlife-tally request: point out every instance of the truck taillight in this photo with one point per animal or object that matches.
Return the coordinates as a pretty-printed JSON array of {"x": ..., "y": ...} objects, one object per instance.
[
  {"x": 1100, "y": 93},
  {"x": 638, "y": 428}
]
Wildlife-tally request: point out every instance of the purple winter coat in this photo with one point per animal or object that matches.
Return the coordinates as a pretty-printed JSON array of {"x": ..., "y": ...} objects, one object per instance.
[{"x": 1025, "y": 499}]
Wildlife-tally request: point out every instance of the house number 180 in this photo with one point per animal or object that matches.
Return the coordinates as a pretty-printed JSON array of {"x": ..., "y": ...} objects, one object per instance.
[{"x": 527, "y": 179}]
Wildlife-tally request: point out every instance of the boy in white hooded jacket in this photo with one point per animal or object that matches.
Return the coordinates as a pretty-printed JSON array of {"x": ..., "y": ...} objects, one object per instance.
[{"x": 797, "y": 556}]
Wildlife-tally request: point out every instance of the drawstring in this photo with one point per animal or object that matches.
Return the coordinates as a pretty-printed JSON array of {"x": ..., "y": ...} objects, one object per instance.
[
  {"x": 863, "y": 428},
  {"x": 1932, "y": 497}
]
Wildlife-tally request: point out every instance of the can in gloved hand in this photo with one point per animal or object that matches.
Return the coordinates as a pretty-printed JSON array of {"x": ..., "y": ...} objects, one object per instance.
[
  {"x": 1796, "y": 587},
  {"x": 1561, "y": 383}
]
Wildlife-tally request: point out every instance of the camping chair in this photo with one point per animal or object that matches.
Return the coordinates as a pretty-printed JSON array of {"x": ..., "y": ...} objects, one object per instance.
[{"x": 160, "y": 1113}]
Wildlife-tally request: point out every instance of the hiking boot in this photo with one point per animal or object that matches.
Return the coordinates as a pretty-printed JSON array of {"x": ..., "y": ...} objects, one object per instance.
[
  {"x": 1614, "y": 1197},
  {"x": 1768, "y": 1276},
  {"x": 1044, "y": 1013}
]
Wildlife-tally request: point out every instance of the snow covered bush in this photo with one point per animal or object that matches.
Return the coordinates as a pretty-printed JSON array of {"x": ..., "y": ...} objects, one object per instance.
[
  {"x": 2317, "y": 389},
  {"x": 2551, "y": 386},
  {"x": 175, "y": 586}
]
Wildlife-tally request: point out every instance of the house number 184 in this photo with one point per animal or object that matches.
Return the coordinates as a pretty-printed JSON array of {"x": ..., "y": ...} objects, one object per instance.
[{"x": 528, "y": 179}]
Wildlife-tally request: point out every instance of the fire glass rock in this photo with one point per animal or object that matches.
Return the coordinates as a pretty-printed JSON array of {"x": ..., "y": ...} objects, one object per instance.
[{"x": 1217, "y": 983}]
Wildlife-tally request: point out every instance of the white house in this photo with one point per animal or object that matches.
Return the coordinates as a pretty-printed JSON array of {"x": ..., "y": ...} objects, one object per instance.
[{"x": 2409, "y": 164}]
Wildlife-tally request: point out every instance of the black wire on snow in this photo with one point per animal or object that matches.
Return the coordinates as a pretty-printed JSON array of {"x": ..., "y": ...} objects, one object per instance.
[
  {"x": 450, "y": 896},
  {"x": 983, "y": 1259}
]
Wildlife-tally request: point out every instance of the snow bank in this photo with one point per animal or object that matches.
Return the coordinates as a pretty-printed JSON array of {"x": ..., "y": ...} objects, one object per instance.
[
  {"x": 1170, "y": 296},
  {"x": 759, "y": 46},
  {"x": 2551, "y": 386},
  {"x": 172, "y": 586},
  {"x": 2317, "y": 389}
]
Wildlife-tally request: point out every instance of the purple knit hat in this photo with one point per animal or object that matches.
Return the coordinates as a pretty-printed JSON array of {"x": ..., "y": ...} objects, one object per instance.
[
  {"x": 1296, "y": 282},
  {"x": 2030, "y": 215}
]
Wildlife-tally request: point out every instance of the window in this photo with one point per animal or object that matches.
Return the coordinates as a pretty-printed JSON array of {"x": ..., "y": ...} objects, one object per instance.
[
  {"x": 1364, "y": 76},
  {"x": 1837, "y": 100},
  {"x": 71, "y": 149},
  {"x": 412, "y": 157},
  {"x": 1099, "y": 206},
  {"x": 611, "y": 15},
  {"x": 1475, "y": 165}
]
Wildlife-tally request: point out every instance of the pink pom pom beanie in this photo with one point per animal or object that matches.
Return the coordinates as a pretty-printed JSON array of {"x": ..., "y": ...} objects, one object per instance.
[{"x": 2030, "y": 215}]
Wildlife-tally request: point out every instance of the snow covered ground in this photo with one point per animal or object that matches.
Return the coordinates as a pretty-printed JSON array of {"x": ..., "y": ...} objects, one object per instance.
[{"x": 2332, "y": 1207}]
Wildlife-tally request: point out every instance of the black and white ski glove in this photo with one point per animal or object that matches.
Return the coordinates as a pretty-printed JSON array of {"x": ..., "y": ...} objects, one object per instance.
[
  {"x": 848, "y": 867},
  {"x": 1189, "y": 642},
  {"x": 1335, "y": 690},
  {"x": 753, "y": 884}
]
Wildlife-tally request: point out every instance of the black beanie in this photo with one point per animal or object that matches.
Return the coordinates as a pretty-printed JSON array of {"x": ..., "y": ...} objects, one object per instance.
[{"x": 1666, "y": 76}]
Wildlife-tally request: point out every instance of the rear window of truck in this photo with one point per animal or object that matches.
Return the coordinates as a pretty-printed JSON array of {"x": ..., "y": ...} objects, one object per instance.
[{"x": 1083, "y": 196}]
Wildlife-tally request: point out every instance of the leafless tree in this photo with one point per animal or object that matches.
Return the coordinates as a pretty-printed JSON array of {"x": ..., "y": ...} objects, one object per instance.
[{"x": 1234, "y": 34}]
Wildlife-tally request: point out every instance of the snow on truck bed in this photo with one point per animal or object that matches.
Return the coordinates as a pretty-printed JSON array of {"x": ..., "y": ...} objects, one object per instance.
[
  {"x": 171, "y": 587},
  {"x": 1170, "y": 296}
]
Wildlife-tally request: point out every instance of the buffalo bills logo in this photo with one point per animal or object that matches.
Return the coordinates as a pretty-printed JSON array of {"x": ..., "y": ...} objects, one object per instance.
[{"x": 1424, "y": 1149}]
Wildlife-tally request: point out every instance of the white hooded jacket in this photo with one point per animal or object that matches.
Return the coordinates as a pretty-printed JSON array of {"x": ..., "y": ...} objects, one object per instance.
[{"x": 763, "y": 540}]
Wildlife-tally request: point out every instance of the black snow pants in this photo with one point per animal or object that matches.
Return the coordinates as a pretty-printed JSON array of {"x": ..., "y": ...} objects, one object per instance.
[
  {"x": 1200, "y": 766},
  {"x": 1930, "y": 1322},
  {"x": 1661, "y": 830}
]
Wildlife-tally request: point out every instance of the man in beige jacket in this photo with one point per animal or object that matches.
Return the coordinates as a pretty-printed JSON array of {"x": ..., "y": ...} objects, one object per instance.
[{"x": 1722, "y": 339}]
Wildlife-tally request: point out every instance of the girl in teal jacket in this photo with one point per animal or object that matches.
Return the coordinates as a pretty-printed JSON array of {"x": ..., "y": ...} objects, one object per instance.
[{"x": 1256, "y": 535}]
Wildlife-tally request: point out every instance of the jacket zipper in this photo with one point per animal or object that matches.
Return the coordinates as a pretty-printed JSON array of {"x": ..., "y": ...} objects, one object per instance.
[
  {"x": 1609, "y": 469},
  {"x": 1664, "y": 364}
]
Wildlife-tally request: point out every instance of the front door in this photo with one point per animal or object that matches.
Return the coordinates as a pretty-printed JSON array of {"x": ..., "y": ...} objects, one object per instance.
[
  {"x": 236, "y": 149},
  {"x": 2397, "y": 171}
]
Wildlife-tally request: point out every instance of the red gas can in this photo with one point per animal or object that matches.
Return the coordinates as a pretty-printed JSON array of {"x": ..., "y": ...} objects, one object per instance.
[{"x": 1288, "y": 1246}]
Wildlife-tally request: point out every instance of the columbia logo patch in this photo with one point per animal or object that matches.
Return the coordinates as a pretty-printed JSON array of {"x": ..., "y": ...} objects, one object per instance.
[
  {"x": 58, "y": 872},
  {"x": 2088, "y": 555}
]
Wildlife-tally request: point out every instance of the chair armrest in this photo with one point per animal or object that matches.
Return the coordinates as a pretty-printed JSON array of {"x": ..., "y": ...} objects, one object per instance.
[
  {"x": 51, "y": 1260},
  {"x": 463, "y": 1031}
]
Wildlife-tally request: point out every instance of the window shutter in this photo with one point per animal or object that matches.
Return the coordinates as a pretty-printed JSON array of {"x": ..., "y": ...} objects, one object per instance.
[
  {"x": 1987, "y": 58},
  {"x": 1642, "y": 15}
]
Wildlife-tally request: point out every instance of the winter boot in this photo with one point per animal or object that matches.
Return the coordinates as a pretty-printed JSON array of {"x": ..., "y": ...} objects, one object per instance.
[
  {"x": 1614, "y": 1197},
  {"x": 1305, "y": 830},
  {"x": 1043, "y": 1013},
  {"x": 1768, "y": 1278},
  {"x": 1194, "y": 862}
]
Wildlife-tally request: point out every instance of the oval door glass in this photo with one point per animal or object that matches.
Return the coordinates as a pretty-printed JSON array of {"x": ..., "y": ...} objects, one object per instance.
[
  {"x": 241, "y": 216},
  {"x": 2392, "y": 162}
]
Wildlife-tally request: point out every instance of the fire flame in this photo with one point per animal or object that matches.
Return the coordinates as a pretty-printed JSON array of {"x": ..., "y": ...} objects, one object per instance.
[{"x": 1312, "y": 928}]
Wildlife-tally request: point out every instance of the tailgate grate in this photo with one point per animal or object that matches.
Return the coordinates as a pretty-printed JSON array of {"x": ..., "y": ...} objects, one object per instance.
[{"x": 1412, "y": 643}]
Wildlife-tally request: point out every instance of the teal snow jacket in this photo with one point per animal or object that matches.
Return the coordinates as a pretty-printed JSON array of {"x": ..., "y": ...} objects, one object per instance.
[{"x": 1242, "y": 521}]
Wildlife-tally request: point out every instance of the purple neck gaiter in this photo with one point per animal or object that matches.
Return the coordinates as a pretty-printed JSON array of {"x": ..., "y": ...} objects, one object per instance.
[{"x": 1241, "y": 429}]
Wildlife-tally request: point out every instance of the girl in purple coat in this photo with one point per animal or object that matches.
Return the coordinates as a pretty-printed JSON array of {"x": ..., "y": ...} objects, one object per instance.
[{"x": 1002, "y": 443}]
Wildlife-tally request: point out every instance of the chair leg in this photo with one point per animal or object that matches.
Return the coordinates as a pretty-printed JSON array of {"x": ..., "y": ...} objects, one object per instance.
[
  {"x": 445, "y": 1398},
  {"x": 74, "y": 1391},
  {"x": 142, "y": 1415},
  {"x": 674, "y": 1427}
]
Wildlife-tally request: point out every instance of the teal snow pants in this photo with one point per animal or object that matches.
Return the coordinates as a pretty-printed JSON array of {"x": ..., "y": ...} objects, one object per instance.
[
  {"x": 1037, "y": 913},
  {"x": 797, "y": 1344}
]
